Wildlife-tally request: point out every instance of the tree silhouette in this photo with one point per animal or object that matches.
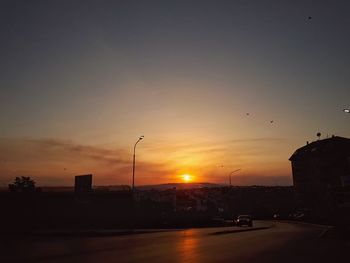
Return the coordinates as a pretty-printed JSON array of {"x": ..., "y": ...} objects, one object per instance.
[{"x": 22, "y": 184}]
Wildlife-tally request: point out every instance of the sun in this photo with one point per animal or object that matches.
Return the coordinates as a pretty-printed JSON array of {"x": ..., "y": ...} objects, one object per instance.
[{"x": 187, "y": 178}]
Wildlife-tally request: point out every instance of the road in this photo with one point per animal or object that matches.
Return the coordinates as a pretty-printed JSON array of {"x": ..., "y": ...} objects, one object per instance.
[{"x": 284, "y": 242}]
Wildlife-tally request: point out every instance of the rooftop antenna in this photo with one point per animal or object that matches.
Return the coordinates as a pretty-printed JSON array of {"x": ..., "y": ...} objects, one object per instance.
[{"x": 318, "y": 135}]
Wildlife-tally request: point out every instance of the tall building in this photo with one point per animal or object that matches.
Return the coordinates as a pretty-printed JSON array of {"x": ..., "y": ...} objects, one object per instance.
[{"x": 321, "y": 174}]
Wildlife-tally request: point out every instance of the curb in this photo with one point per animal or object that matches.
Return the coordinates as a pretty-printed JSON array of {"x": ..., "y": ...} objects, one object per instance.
[
  {"x": 305, "y": 223},
  {"x": 321, "y": 235},
  {"x": 240, "y": 230},
  {"x": 324, "y": 232}
]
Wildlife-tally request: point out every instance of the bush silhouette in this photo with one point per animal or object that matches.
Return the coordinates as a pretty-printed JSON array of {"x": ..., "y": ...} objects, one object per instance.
[{"x": 22, "y": 184}]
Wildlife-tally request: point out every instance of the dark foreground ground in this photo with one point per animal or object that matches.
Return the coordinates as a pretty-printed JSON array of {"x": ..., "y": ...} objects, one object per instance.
[{"x": 284, "y": 242}]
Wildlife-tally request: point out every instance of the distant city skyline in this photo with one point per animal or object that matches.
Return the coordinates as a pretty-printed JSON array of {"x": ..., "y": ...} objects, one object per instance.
[{"x": 213, "y": 86}]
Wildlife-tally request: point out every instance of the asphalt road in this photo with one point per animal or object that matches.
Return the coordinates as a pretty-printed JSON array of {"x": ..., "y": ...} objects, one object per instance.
[{"x": 284, "y": 242}]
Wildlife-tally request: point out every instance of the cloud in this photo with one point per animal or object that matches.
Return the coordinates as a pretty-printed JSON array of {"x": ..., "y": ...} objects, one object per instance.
[
  {"x": 53, "y": 161},
  {"x": 57, "y": 161},
  {"x": 238, "y": 147},
  {"x": 25, "y": 150},
  {"x": 261, "y": 139}
]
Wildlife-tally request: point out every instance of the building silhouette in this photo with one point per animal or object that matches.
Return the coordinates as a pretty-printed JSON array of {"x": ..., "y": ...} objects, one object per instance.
[
  {"x": 83, "y": 183},
  {"x": 321, "y": 175}
]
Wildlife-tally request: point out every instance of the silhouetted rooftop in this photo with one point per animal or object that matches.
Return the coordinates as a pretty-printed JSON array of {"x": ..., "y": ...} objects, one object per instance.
[{"x": 320, "y": 146}]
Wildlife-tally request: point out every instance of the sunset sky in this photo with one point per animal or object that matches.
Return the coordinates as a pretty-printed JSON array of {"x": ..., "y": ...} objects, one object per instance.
[{"x": 80, "y": 81}]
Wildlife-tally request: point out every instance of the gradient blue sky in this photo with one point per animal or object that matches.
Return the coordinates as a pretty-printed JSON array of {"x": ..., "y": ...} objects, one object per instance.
[{"x": 81, "y": 80}]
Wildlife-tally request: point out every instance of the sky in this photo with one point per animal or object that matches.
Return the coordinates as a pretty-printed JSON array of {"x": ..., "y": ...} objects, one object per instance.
[{"x": 214, "y": 86}]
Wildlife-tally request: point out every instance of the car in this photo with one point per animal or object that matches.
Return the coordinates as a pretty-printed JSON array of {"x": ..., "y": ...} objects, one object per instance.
[{"x": 244, "y": 220}]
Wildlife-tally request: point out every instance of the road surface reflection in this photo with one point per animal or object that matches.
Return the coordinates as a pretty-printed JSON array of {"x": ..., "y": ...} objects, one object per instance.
[{"x": 187, "y": 247}]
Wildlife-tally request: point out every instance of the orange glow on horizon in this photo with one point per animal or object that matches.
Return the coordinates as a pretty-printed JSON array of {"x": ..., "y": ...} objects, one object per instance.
[{"x": 187, "y": 178}]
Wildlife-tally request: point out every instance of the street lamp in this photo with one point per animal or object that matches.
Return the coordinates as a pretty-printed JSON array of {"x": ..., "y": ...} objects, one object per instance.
[
  {"x": 231, "y": 174},
  {"x": 133, "y": 163}
]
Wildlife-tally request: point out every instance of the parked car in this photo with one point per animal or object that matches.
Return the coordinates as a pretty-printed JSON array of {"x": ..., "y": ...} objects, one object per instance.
[{"x": 244, "y": 220}]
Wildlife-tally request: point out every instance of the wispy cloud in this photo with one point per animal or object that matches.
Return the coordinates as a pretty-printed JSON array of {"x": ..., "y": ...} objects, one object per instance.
[
  {"x": 260, "y": 139},
  {"x": 60, "y": 160},
  {"x": 54, "y": 161}
]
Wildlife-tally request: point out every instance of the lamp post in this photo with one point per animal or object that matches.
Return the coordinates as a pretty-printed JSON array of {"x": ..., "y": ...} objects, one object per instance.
[
  {"x": 231, "y": 174},
  {"x": 133, "y": 163}
]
